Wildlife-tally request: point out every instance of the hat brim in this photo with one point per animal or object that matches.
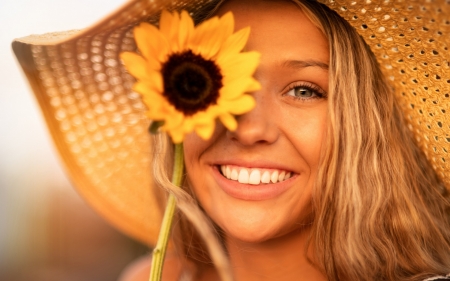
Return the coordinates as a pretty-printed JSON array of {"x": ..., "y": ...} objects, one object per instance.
[{"x": 98, "y": 124}]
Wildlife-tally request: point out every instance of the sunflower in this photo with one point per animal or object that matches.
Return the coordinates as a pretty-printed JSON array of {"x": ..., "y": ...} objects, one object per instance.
[{"x": 189, "y": 76}]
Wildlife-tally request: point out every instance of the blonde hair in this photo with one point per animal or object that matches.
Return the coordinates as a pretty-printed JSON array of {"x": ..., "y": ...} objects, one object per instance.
[
  {"x": 380, "y": 212},
  {"x": 380, "y": 208}
]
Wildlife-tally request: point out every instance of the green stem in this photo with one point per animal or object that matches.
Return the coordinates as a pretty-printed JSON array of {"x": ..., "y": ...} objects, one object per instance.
[{"x": 159, "y": 251}]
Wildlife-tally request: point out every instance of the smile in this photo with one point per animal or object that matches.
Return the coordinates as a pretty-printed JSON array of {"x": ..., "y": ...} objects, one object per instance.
[{"x": 254, "y": 176}]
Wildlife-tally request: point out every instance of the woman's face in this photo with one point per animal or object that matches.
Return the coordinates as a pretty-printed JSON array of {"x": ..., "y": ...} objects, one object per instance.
[{"x": 256, "y": 182}]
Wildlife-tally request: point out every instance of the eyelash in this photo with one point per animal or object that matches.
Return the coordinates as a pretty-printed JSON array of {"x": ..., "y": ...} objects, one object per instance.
[{"x": 316, "y": 90}]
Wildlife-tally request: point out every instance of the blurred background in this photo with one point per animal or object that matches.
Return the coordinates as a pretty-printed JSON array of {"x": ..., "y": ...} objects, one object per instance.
[{"x": 46, "y": 231}]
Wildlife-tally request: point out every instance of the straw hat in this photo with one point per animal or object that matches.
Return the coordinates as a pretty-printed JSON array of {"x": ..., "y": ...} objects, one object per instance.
[{"x": 98, "y": 122}]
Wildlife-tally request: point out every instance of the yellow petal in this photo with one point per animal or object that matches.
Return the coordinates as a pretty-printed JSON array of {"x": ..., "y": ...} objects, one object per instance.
[
  {"x": 227, "y": 20},
  {"x": 146, "y": 90},
  {"x": 186, "y": 29},
  {"x": 241, "y": 105},
  {"x": 228, "y": 121},
  {"x": 218, "y": 36},
  {"x": 156, "y": 104},
  {"x": 165, "y": 112},
  {"x": 177, "y": 136},
  {"x": 201, "y": 33},
  {"x": 188, "y": 125},
  {"x": 241, "y": 65},
  {"x": 213, "y": 40},
  {"x": 155, "y": 114},
  {"x": 232, "y": 90},
  {"x": 153, "y": 80},
  {"x": 153, "y": 46},
  {"x": 254, "y": 86},
  {"x": 135, "y": 64},
  {"x": 168, "y": 25},
  {"x": 248, "y": 60},
  {"x": 234, "y": 44},
  {"x": 174, "y": 121},
  {"x": 205, "y": 131},
  {"x": 207, "y": 115}
]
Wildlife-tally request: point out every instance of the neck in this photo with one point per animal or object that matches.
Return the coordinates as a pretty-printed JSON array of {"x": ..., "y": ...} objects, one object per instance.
[{"x": 282, "y": 259}]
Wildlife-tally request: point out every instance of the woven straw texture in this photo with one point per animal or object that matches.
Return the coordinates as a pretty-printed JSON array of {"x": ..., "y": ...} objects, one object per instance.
[
  {"x": 98, "y": 123},
  {"x": 411, "y": 41}
]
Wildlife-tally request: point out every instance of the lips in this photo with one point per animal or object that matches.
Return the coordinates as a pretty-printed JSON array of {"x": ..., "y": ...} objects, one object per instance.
[
  {"x": 253, "y": 184},
  {"x": 254, "y": 176}
]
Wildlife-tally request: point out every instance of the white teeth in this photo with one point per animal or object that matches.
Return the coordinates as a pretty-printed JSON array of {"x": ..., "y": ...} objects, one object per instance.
[
  {"x": 243, "y": 176},
  {"x": 222, "y": 169},
  {"x": 274, "y": 177},
  {"x": 281, "y": 176},
  {"x": 234, "y": 174},
  {"x": 265, "y": 178},
  {"x": 255, "y": 177},
  {"x": 227, "y": 172},
  {"x": 287, "y": 176}
]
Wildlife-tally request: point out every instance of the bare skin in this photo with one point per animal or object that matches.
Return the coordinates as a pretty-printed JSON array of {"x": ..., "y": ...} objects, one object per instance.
[{"x": 266, "y": 234}]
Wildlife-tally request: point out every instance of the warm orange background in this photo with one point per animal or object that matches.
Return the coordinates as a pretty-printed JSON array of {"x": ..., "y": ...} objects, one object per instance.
[{"x": 46, "y": 231}]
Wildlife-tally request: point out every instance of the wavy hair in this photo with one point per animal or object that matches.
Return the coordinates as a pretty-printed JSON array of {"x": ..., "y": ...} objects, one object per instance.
[{"x": 380, "y": 211}]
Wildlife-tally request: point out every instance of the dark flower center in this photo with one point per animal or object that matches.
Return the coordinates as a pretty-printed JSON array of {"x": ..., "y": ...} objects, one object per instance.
[{"x": 191, "y": 83}]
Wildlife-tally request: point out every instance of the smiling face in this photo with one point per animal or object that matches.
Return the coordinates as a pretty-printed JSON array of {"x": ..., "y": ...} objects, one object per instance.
[{"x": 256, "y": 182}]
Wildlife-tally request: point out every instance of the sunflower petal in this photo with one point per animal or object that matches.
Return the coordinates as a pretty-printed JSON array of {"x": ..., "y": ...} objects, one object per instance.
[
  {"x": 234, "y": 44},
  {"x": 186, "y": 30},
  {"x": 176, "y": 135},
  {"x": 227, "y": 20},
  {"x": 146, "y": 89},
  {"x": 249, "y": 61},
  {"x": 238, "y": 106},
  {"x": 242, "y": 65},
  {"x": 168, "y": 25},
  {"x": 254, "y": 86},
  {"x": 152, "y": 79},
  {"x": 164, "y": 112},
  {"x": 153, "y": 46},
  {"x": 225, "y": 28},
  {"x": 228, "y": 121},
  {"x": 188, "y": 125},
  {"x": 205, "y": 131},
  {"x": 236, "y": 88},
  {"x": 212, "y": 40},
  {"x": 202, "y": 35},
  {"x": 136, "y": 65},
  {"x": 175, "y": 121},
  {"x": 205, "y": 117}
]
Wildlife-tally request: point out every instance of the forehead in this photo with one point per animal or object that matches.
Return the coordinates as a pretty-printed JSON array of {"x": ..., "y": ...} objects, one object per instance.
[{"x": 280, "y": 30}]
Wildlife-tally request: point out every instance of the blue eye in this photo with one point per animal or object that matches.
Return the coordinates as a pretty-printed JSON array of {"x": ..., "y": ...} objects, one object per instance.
[
  {"x": 305, "y": 92},
  {"x": 302, "y": 92}
]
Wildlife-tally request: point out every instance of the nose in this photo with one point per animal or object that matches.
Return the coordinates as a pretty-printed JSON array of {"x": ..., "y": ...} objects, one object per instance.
[{"x": 257, "y": 126}]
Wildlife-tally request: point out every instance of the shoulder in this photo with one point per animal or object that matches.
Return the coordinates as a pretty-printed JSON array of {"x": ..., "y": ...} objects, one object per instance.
[
  {"x": 438, "y": 278},
  {"x": 139, "y": 270}
]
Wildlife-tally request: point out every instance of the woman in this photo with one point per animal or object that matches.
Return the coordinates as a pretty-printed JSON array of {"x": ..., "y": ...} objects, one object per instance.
[
  {"x": 322, "y": 180},
  {"x": 355, "y": 198}
]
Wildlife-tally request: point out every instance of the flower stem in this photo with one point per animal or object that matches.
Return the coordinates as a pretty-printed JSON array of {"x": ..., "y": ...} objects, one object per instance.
[{"x": 159, "y": 251}]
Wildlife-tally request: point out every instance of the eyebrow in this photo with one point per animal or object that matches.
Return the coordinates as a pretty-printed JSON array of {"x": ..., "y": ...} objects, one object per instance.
[{"x": 305, "y": 63}]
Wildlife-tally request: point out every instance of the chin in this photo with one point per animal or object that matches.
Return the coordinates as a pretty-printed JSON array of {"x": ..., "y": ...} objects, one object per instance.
[{"x": 255, "y": 225}]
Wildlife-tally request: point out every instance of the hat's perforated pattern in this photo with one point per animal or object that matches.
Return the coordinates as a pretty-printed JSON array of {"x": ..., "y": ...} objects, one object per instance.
[
  {"x": 411, "y": 40},
  {"x": 99, "y": 125},
  {"x": 97, "y": 121},
  {"x": 103, "y": 131}
]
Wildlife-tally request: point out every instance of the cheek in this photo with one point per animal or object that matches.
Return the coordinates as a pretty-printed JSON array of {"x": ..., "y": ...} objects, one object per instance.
[
  {"x": 307, "y": 132},
  {"x": 194, "y": 147}
]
